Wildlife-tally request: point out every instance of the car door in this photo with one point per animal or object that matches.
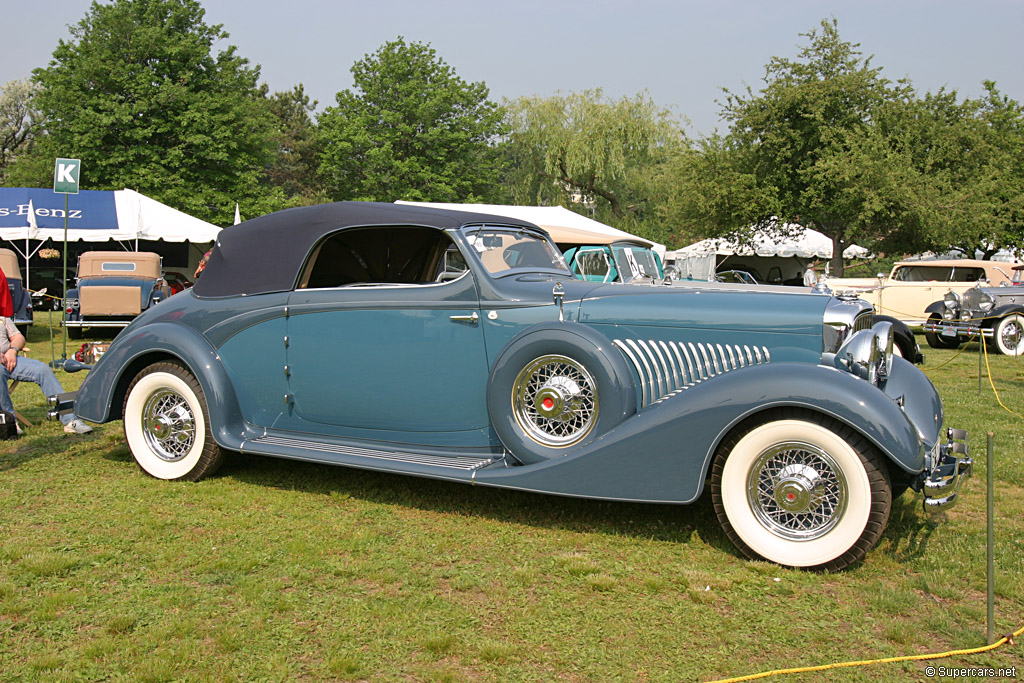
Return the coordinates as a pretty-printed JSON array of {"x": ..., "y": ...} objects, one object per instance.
[{"x": 401, "y": 360}]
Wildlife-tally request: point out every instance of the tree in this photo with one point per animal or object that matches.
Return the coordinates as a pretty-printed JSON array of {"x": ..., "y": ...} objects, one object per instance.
[
  {"x": 19, "y": 121},
  {"x": 805, "y": 140},
  {"x": 411, "y": 129},
  {"x": 294, "y": 167},
  {"x": 968, "y": 158},
  {"x": 594, "y": 155},
  {"x": 140, "y": 97}
]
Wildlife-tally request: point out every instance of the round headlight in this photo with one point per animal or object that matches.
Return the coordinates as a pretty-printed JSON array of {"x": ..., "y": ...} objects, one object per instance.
[
  {"x": 868, "y": 353},
  {"x": 951, "y": 300},
  {"x": 986, "y": 302}
]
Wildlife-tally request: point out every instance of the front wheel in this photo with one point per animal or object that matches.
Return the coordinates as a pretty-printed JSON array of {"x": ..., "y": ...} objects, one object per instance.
[
  {"x": 801, "y": 490},
  {"x": 1009, "y": 335},
  {"x": 167, "y": 424},
  {"x": 938, "y": 341}
]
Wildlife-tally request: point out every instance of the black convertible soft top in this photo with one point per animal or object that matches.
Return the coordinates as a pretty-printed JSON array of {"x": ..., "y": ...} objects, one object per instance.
[{"x": 265, "y": 254}]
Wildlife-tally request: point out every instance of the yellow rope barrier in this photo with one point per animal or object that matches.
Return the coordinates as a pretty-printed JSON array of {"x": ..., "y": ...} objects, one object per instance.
[
  {"x": 993, "y": 385},
  {"x": 1008, "y": 638}
]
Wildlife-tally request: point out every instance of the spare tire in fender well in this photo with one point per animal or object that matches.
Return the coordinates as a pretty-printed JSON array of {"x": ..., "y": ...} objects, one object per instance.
[{"x": 558, "y": 362}]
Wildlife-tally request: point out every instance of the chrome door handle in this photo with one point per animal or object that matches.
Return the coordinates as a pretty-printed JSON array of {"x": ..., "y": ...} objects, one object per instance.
[{"x": 471, "y": 319}]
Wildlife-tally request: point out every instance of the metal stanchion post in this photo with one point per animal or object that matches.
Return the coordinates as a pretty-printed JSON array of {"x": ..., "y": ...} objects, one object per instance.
[{"x": 990, "y": 542}]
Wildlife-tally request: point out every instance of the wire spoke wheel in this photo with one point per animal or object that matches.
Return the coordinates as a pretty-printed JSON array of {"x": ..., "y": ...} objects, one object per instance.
[
  {"x": 169, "y": 425},
  {"x": 797, "y": 491},
  {"x": 555, "y": 400}
]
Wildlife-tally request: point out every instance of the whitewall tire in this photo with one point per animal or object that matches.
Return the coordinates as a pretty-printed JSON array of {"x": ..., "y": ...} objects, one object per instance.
[
  {"x": 1009, "y": 335},
  {"x": 167, "y": 424},
  {"x": 801, "y": 490}
]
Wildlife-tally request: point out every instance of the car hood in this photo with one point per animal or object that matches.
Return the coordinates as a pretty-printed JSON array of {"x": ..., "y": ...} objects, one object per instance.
[{"x": 798, "y": 312}]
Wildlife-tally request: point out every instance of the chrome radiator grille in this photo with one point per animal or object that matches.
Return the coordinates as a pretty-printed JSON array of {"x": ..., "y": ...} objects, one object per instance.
[{"x": 665, "y": 368}]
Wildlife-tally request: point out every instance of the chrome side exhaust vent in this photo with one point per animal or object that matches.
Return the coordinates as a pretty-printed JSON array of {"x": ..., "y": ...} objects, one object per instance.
[{"x": 665, "y": 368}]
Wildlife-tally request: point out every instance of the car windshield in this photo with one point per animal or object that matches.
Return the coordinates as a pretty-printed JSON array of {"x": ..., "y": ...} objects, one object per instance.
[
  {"x": 636, "y": 263},
  {"x": 504, "y": 250}
]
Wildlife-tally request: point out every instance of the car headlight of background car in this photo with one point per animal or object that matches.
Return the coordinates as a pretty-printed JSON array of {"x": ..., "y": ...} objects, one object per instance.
[
  {"x": 868, "y": 354},
  {"x": 986, "y": 302},
  {"x": 952, "y": 303}
]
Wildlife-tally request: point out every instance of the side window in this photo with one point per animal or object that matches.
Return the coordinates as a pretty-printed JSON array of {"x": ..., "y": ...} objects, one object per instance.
[
  {"x": 593, "y": 264},
  {"x": 968, "y": 274},
  {"x": 391, "y": 255}
]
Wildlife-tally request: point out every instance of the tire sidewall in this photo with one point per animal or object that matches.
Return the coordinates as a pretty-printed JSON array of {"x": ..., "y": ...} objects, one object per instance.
[
  {"x": 1000, "y": 326},
  {"x": 616, "y": 393},
  {"x": 733, "y": 491},
  {"x": 141, "y": 389}
]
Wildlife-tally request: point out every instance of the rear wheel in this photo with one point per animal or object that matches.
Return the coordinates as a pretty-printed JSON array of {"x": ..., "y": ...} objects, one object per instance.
[
  {"x": 801, "y": 490},
  {"x": 938, "y": 341},
  {"x": 167, "y": 424}
]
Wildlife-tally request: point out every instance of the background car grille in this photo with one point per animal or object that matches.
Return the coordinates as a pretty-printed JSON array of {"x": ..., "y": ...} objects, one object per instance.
[{"x": 664, "y": 368}]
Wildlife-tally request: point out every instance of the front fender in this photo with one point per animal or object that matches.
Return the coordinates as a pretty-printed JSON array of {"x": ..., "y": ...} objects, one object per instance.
[
  {"x": 101, "y": 395},
  {"x": 662, "y": 454},
  {"x": 993, "y": 317},
  {"x": 936, "y": 308}
]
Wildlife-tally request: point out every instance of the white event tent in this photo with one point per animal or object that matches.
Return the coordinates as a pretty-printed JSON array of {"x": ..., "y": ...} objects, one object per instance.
[
  {"x": 31, "y": 216},
  {"x": 96, "y": 216},
  {"x": 769, "y": 259},
  {"x": 564, "y": 226}
]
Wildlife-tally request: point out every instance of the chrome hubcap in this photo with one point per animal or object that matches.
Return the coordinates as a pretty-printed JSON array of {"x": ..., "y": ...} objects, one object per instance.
[
  {"x": 554, "y": 399},
  {"x": 168, "y": 425},
  {"x": 797, "y": 491},
  {"x": 1011, "y": 334}
]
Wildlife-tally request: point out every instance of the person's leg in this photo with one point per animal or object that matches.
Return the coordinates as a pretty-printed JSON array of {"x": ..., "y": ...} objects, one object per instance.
[
  {"x": 6, "y": 404},
  {"x": 30, "y": 370}
]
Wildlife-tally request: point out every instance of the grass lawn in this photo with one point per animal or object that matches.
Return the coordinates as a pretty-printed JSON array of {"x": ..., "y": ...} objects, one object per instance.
[{"x": 278, "y": 571}]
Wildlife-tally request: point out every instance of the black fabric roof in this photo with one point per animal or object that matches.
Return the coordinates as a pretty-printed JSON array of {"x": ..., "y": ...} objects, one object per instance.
[{"x": 265, "y": 254}]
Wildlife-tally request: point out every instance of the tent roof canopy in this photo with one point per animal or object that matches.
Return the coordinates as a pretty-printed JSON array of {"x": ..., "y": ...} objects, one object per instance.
[
  {"x": 96, "y": 216},
  {"x": 806, "y": 243}
]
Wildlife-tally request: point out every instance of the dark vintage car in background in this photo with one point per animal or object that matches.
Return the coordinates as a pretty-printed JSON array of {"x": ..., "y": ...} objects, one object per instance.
[
  {"x": 994, "y": 313},
  {"x": 112, "y": 287},
  {"x": 20, "y": 297},
  {"x": 459, "y": 346}
]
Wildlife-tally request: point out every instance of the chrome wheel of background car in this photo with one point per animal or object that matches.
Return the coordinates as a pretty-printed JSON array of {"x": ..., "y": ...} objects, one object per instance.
[
  {"x": 800, "y": 489},
  {"x": 166, "y": 424},
  {"x": 555, "y": 400},
  {"x": 1009, "y": 335}
]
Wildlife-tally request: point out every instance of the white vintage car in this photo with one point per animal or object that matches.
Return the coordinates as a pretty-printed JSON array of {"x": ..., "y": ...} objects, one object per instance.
[{"x": 912, "y": 286}]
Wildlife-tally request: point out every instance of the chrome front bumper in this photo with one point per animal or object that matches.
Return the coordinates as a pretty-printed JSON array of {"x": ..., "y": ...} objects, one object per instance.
[
  {"x": 950, "y": 464},
  {"x": 957, "y": 329}
]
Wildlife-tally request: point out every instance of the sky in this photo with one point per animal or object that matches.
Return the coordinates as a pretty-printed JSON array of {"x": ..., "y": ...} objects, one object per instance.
[{"x": 682, "y": 53}]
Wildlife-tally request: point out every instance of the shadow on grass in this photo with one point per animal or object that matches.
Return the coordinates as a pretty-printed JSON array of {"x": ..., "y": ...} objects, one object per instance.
[
  {"x": 909, "y": 528},
  {"x": 671, "y": 523}
]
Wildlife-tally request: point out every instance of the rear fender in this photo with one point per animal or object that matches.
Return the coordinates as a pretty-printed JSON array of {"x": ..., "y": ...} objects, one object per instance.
[{"x": 102, "y": 393}]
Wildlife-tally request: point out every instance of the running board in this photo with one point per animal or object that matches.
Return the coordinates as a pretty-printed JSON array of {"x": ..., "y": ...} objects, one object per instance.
[{"x": 355, "y": 456}]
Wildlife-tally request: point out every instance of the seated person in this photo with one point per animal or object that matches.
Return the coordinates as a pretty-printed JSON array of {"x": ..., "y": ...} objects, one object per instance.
[{"x": 29, "y": 370}]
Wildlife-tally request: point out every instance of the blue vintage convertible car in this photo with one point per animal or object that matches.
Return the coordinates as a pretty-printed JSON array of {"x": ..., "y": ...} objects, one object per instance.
[{"x": 459, "y": 346}]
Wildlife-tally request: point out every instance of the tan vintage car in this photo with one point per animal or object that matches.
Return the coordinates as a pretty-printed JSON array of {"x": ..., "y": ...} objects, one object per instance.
[
  {"x": 113, "y": 287},
  {"x": 913, "y": 285}
]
